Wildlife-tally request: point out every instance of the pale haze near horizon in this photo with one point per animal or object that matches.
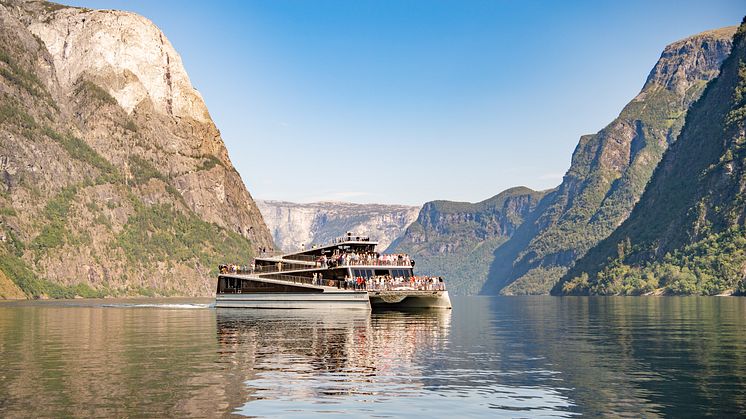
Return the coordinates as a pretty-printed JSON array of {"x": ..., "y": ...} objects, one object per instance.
[{"x": 407, "y": 102}]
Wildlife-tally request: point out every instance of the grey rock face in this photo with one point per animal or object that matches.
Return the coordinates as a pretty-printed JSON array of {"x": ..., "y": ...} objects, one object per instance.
[{"x": 293, "y": 225}]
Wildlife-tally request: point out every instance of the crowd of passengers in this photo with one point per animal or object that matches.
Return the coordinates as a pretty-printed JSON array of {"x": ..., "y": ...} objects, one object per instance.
[
  {"x": 379, "y": 282},
  {"x": 364, "y": 258},
  {"x": 420, "y": 283},
  {"x": 384, "y": 282},
  {"x": 231, "y": 268}
]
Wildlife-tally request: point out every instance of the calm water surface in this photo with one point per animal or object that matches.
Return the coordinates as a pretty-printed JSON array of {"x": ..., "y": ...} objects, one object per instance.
[{"x": 502, "y": 356}]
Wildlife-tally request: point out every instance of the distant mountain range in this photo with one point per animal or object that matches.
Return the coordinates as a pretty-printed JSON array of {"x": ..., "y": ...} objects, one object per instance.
[{"x": 294, "y": 225}]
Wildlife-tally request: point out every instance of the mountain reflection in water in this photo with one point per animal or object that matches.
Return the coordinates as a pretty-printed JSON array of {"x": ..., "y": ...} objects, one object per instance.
[{"x": 514, "y": 357}]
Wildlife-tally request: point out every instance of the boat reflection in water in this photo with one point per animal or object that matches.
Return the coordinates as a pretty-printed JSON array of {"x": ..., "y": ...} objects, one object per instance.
[{"x": 326, "y": 361}]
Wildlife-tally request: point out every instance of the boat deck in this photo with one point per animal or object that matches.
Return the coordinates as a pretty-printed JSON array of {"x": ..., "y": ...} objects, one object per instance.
[{"x": 295, "y": 281}]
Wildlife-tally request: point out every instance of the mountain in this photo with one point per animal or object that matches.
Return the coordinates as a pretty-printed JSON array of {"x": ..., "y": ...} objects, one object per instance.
[
  {"x": 607, "y": 175},
  {"x": 293, "y": 225},
  {"x": 458, "y": 239},
  {"x": 609, "y": 170},
  {"x": 686, "y": 235},
  {"x": 114, "y": 180}
]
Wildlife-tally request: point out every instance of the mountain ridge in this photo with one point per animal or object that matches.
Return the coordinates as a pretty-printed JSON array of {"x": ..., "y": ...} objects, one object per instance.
[{"x": 686, "y": 235}]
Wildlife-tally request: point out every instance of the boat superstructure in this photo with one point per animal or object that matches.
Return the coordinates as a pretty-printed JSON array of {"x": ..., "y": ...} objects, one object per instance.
[{"x": 345, "y": 273}]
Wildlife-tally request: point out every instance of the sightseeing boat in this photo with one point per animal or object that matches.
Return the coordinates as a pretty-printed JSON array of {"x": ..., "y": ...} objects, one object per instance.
[{"x": 346, "y": 273}]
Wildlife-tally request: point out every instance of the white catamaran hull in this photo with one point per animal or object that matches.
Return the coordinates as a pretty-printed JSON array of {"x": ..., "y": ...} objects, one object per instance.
[
  {"x": 325, "y": 300},
  {"x": 412, "y": 300}
]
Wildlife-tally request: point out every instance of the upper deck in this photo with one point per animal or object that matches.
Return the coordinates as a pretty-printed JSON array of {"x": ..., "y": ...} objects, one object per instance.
[{"x": 340, "y": 245}]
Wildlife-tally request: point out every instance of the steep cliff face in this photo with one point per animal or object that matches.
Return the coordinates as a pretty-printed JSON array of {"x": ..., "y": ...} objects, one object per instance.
[
  {"x": 686, "y": 235},
  {"x": 609, "y": 170},
  {"x": 457, "y": 239},
  {"x": 293, "y": 225},
  {"x": 115, "y": 179}
]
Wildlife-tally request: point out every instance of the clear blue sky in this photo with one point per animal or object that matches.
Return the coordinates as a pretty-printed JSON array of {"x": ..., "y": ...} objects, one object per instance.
[{"x": 410, "y": 101}]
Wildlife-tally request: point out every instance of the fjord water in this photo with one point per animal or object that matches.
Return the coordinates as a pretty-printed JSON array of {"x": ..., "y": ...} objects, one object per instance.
[{"x": 496, "y": 356}]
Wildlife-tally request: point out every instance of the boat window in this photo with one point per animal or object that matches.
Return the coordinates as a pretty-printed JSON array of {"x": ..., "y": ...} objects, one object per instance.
[{"x": 406, "y": 273}]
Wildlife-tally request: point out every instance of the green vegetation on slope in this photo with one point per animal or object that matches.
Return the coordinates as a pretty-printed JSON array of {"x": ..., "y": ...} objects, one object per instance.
[
  {"x": 536, "y": 281},
  {"x": 464, "y": 271},
  {"x": 11, "y": 115},
  {"x": 142, "y": 170},
  {"x": 21, "y": 77},
  {"x": 159, "y": 233},
  {"x": 54, "y": 233},
  {"x": 23, "y": 276},
  {"x": 711, "y": 266},
  {"x": 210, "y": 162},
  {"x": 94, "y": 91},
  {"x": 80, "y": 150}
]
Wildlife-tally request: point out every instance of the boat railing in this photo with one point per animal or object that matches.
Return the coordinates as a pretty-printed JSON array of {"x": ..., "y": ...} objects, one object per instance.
[
  {"x": 321, "y": 282},
  {"x": 296, "y": 279},
  {"x": 269, "y": 253},
  {"x": 265, "y": 269},
  {"x": 302, "y": 258},
  {"x": 334, "y": 262},
  {"x": 377, "y": 262},
  {"x": 406, "y": 286},
  {"x": 282, "y": 265},
  {"x": 234, "y": 269},
  {"x": 278, "y": 267},
  {"x": 349, "y": 238}
]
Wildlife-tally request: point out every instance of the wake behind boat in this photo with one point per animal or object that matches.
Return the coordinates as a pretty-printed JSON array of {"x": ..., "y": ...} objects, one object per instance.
[{"x": 346, "y": 273}]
